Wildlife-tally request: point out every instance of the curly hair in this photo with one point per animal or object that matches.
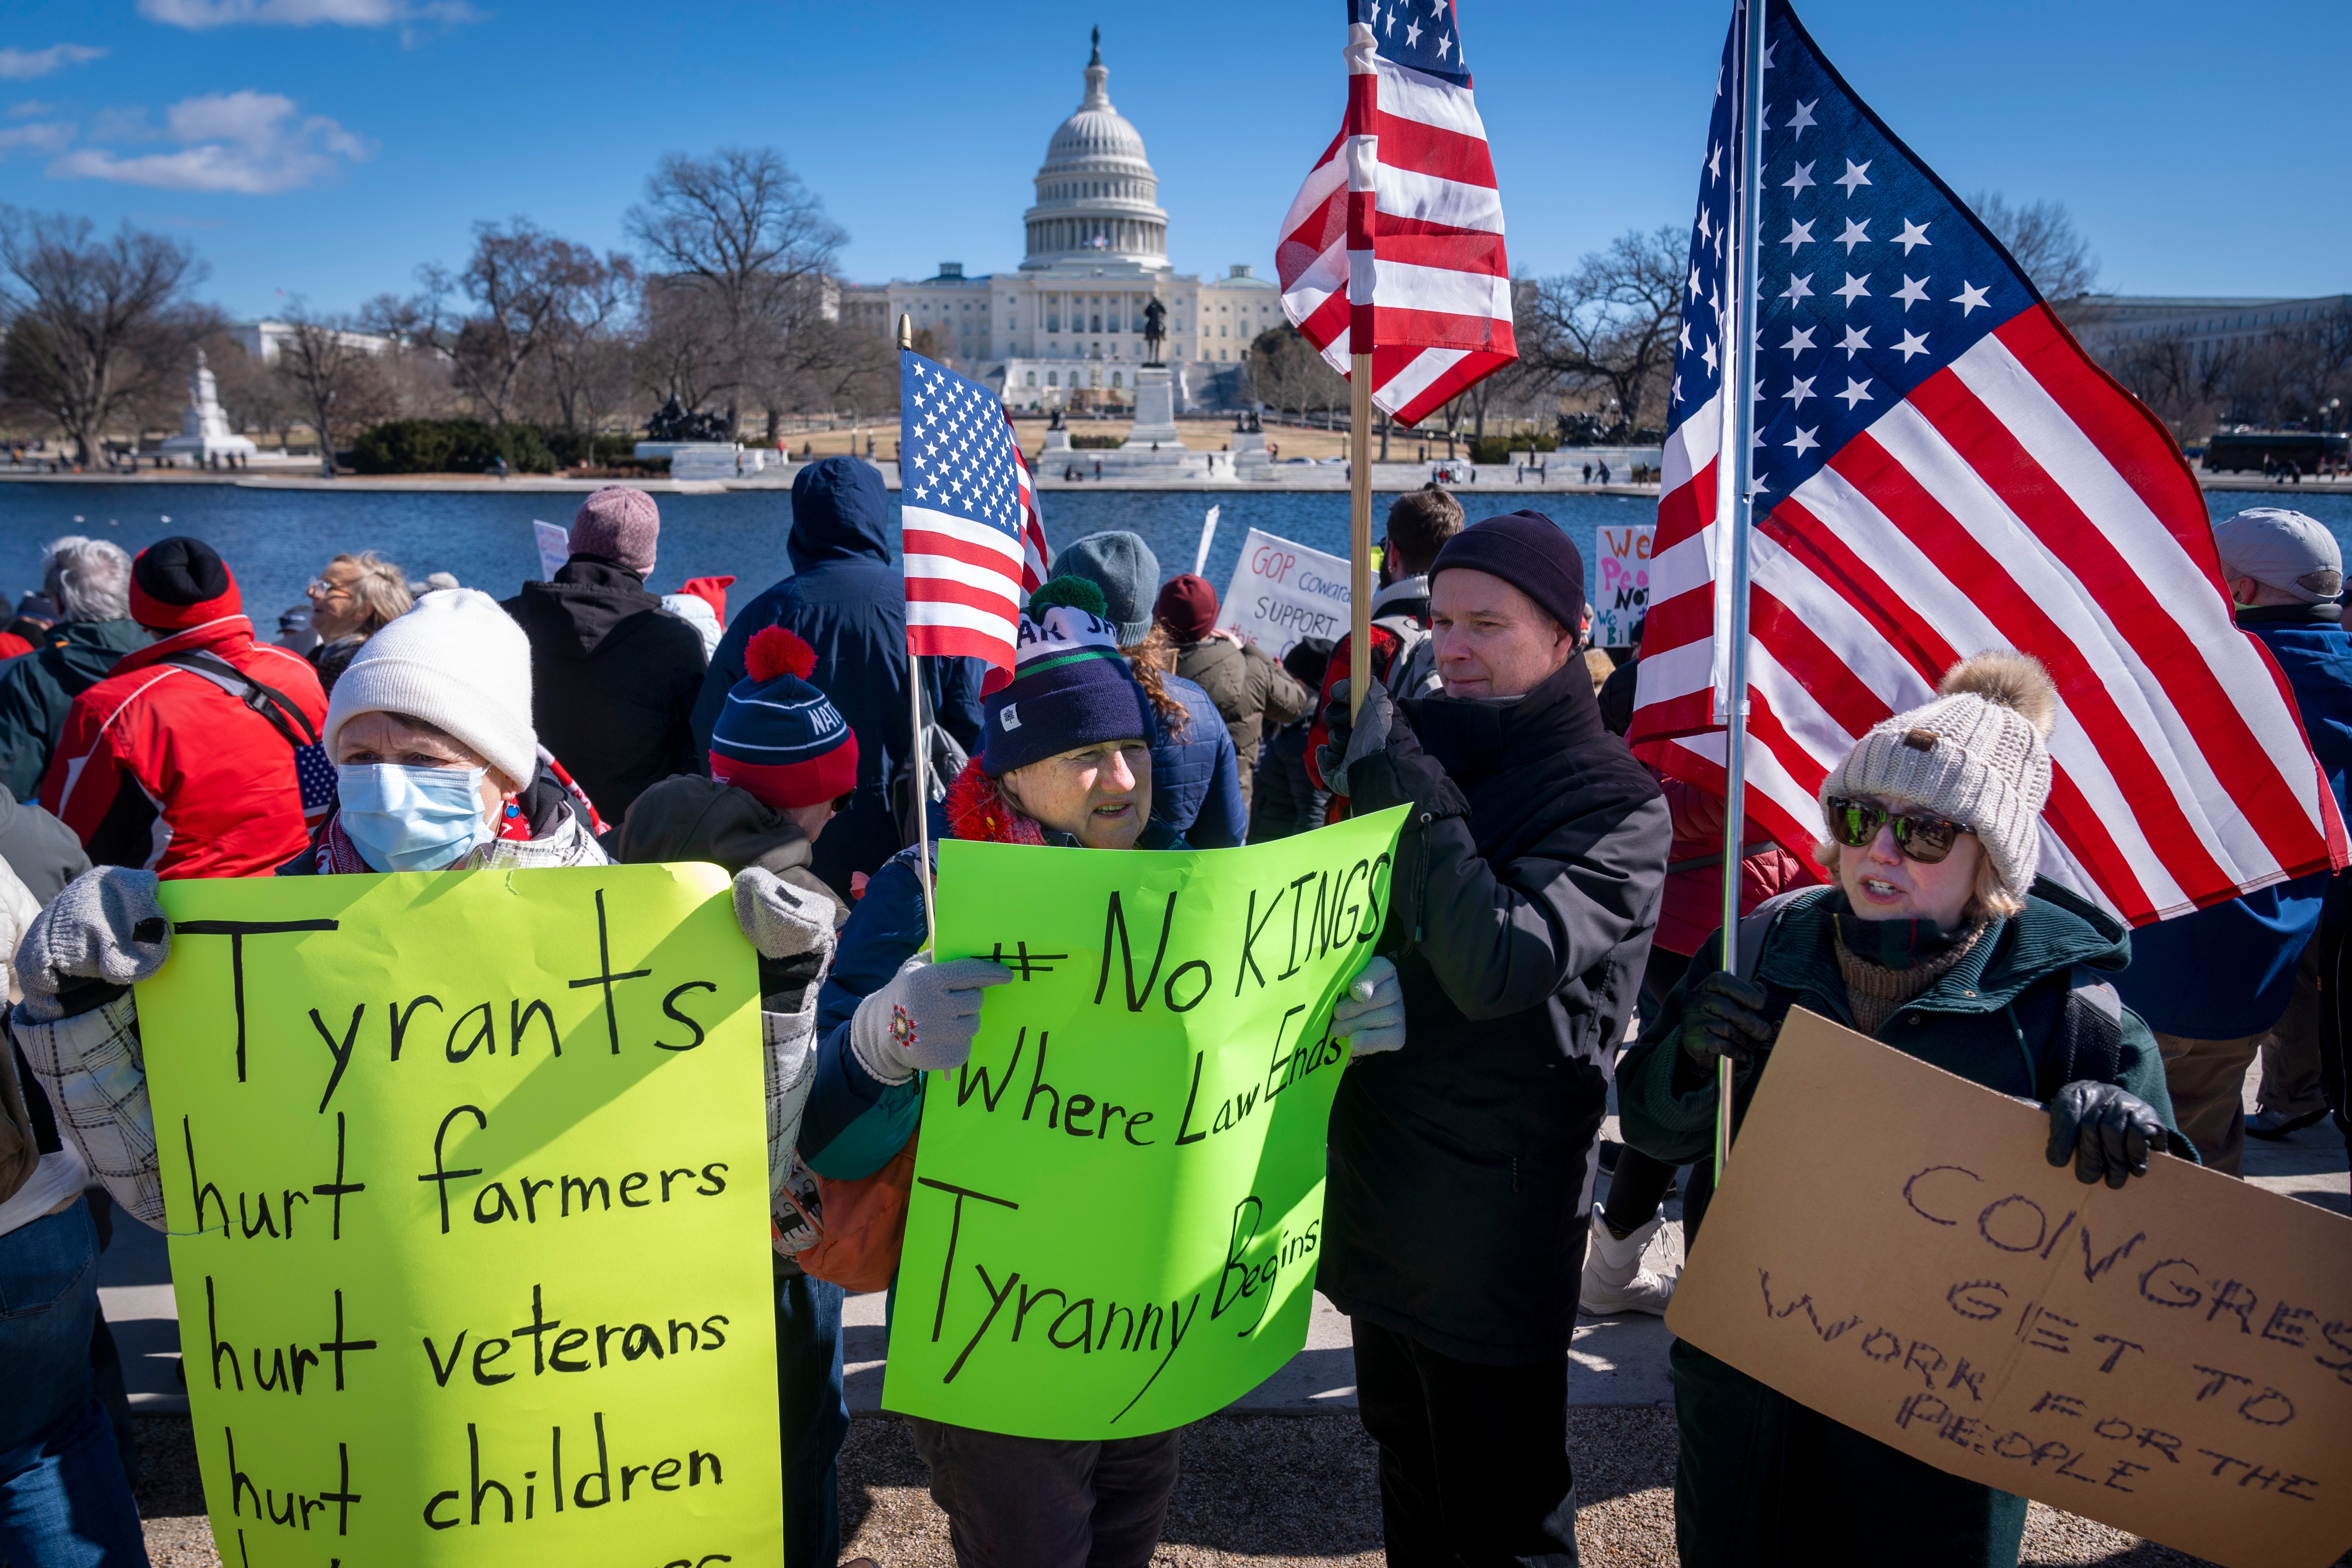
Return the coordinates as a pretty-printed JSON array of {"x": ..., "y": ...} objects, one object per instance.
[{"x": 1152, "y": 660}]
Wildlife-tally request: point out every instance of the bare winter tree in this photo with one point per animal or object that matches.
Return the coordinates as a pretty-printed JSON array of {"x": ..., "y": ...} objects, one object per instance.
[
  {"x": 1286, "y": 371},
  {"x": 331, "y": 371},
  {"x": 586, "y": 360},
  {"x": 2182, "y": 386},
  {"x": 2042, "y": 238},
  {"x": 1612, "y": 322},
  {"x": 520, "y": 278},
  {"x": 742, "y": 227},
  {"x": 94, "y": 327}
]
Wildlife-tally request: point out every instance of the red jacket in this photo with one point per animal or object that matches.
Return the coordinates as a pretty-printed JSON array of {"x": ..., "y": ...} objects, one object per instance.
[
  {"x": 161, "y": 769},
  {"x": 1690, "y": 909}
]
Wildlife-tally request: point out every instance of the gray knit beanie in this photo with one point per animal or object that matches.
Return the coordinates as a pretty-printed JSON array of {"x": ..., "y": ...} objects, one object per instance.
[
  {"x": 1976, "y": 755},
  {"x": 1125, "y": 569}
]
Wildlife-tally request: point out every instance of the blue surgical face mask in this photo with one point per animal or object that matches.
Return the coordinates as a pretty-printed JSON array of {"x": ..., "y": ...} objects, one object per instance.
[{"x": 411, "y": 819}]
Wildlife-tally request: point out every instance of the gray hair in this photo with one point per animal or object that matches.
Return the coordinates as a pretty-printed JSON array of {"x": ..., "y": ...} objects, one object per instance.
[{"x": 90, "y": 579}]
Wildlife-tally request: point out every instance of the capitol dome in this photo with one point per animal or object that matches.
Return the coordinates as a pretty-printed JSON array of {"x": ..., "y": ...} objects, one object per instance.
[{"x": 1096, "y": 195}]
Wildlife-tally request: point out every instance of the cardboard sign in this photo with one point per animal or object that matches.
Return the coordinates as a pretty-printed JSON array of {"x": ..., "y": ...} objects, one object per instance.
[
  {"x": 467, "y": 1183},
  {"x": 1118, "y": 1199},
  {"x": 1283, "y": 592},
  {"x": 1623, "y": 594},
  {"x": 1891, "y": 1247}
]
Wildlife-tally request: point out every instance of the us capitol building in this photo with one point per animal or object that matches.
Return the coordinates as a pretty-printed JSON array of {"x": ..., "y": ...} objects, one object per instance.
[{"x": 1066, "y": 330}]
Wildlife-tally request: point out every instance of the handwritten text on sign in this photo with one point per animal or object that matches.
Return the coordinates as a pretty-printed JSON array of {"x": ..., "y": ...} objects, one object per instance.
[
  {"x": 467, "y": 1181},
  {"x": 1623, "y": 594},
  {"x": 1283, "y": 592},
  {"x": 1119, "y": 1201},
  {"x": 2174, "y": 1358}
]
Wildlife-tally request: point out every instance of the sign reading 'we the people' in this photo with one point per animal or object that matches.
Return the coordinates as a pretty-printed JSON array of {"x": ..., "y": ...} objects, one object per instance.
[
  {"x": 467, "y": 1181},
  {"x": 1119, "y": 1200}
]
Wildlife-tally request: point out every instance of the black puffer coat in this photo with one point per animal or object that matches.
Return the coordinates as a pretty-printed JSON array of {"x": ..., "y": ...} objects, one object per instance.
[{"x": 1526, "y": 887}]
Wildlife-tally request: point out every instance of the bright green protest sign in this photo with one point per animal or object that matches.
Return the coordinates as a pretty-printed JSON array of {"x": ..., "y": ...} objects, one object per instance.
[
  {"x": 466, "y": 1181},
  {"x": 1118, "y": 1199}
]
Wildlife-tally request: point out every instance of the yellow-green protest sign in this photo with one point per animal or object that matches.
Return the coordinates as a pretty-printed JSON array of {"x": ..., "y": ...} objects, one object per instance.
[
  {"x": 1118, "y": 1199},
  {"x": 466, "y": 1176}
]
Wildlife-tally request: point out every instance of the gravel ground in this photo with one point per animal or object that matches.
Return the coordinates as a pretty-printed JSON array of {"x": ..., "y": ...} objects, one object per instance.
[{"x": 1240, "y": 1500}]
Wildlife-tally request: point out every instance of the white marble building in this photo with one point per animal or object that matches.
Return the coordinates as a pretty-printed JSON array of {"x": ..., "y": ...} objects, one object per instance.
[{"x": 1067, "y": 329}]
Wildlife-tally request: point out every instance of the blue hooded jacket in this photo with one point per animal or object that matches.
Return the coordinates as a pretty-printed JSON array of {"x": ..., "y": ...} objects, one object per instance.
[
  {"x": 846, "y": 598},
  {"x": 1196, "y": 783},
  {"x": 2228, "y": 971}
]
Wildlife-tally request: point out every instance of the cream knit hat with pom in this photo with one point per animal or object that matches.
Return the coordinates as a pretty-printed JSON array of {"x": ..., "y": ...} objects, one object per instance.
[
  {"x": 458, "y": 662},
  {"x": 1976, "y": 755}
]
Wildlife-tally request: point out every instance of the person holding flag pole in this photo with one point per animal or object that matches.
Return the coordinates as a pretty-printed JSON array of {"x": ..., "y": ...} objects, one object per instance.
[
  {"x": 1528, "y": 877},
  {"x": 1928, "y": 627}
]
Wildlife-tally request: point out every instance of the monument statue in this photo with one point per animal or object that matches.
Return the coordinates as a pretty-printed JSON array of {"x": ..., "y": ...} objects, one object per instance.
[
  {"x": 674, "y": 422},
  {"x": 1056, "y": 422},
  {"x": 1155, "y": 328}
]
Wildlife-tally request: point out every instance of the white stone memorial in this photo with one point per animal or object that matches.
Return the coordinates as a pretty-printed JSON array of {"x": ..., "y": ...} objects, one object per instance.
[{"x": 204, "y": 433}]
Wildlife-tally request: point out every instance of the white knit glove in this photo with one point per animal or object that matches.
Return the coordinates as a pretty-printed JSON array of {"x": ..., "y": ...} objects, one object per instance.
[
  {"x": 925, "y": 1018},
  {"x": 106, "y": 925},
  {"x": 1371, "y": 1016},
  {"x": 778, "y": 919}
]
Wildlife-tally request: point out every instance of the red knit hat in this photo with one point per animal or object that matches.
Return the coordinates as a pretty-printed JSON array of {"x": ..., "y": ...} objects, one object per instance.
[
  {"x": 779, "y": 738},
  {"x": 1186, "y": 606},
  {"x": 179, "y": 583}
]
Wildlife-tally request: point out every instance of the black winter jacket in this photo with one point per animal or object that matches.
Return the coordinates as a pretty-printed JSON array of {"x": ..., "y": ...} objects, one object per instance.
[
  {"x": 1527, "y": 889},
  {"x": 37, "y": 687},
  {"x": 1288, "y": 799},
  {"x": 613, "y": 678},
  {"x": 846, "y": 598}
]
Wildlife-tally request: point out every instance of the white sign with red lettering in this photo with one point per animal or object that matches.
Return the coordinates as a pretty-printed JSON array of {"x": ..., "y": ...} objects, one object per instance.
[
  {"x": 1621, "y": 595},
  {"x": 1283, "y": 592}
]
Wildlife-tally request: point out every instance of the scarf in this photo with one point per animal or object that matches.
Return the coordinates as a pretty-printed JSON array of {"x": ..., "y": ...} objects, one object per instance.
[
  {"x": 1888, "y": 964},
  {"x": 979, "y": 813}
]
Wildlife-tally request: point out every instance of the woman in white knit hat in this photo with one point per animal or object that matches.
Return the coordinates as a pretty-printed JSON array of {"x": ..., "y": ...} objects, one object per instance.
[
  {"x": 437, "y": 769},
  {"x": 1934, "y": 937}
]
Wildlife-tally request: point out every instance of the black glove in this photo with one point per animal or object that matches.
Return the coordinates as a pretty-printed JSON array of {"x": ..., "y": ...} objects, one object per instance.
[
  {"x": 1350, "y": 744},
  {"x": 2108, "y": 1130},
  {"x": 1722, "y": 1017}
]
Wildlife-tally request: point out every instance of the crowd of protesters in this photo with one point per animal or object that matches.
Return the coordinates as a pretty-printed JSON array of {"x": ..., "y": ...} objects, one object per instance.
[{"x": 1550, "y": 890}]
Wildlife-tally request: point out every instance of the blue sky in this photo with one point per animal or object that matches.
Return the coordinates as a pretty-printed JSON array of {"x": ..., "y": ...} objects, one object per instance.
[{"x": 325, "y": 147}]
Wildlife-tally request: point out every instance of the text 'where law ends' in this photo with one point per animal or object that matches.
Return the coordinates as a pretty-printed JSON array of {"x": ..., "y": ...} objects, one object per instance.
[
  {"x": 1117, "y": 1199},
  {"x": 2173, "y": 1358},
  {"x": 466, "y": 1176}
]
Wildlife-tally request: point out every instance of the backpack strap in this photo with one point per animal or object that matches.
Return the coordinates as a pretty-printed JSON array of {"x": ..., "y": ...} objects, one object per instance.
[
  {"x": 269, "y": 701},
  {"x": 1755, "y": 925}
]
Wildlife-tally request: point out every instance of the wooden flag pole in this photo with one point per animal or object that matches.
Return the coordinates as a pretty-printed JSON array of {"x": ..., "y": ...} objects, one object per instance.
[
  {"x": 1360, "y": 538},
  {"x": 921, "y": 742}
]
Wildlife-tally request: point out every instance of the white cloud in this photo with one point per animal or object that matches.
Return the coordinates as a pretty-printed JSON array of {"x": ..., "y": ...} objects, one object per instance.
[
  {"x": 252, "y": 143},
  {"x": 40, "y": 137},
  {"x": 197, "y": 15},
  {"x": 24, "y": 65},
  {"x": 30, "y": 107}
]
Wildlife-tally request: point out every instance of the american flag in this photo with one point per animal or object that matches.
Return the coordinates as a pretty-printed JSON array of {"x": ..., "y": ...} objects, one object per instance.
[
  {"x": 975, "y": 544},
  {"x": 1396, "y": 240},
  {"x": 1942, "y": 469}
]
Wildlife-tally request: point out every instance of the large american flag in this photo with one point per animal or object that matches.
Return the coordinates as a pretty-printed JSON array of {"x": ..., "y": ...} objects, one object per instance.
[
  {"x": 1942, "y": 469},
  {"x": 1396, "y": 239},
  {"x": 975, "y": 544}
]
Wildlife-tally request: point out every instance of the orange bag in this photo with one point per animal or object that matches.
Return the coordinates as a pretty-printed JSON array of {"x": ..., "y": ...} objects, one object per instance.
[{"x": 863, "y": 1226}]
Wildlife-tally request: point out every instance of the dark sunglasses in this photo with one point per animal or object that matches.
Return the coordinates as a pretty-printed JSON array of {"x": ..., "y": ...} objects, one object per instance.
[
  {"x": 1921, "y": 837},
  {"x": 840, "y": 805}
]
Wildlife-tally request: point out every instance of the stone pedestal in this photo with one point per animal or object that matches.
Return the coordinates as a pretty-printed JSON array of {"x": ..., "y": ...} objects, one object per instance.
[
  {"x": 1155, "y": 413},
  {"x": 703, "y": 459}
]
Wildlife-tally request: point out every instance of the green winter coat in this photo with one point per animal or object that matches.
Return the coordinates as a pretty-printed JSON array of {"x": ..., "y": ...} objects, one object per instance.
[
  {"x": 1760, "y": 1479},
  {"x": 37, "y": 687},
  {"x": 1253, "y": 695}
]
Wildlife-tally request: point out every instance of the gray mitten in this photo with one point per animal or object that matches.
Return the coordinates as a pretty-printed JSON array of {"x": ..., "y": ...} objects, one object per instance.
[
  {"x": 105, "y": 930},
  {"x": 1353, "y": 737},
  {"x": 925, "y": 1018},
  {"x": 778, "y": 919},
  {"x": 1371, "y": 1016}
]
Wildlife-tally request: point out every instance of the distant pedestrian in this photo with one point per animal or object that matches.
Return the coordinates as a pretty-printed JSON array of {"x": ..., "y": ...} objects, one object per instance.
[
  {"x": 847, "y": 599},
  {"x": 1588, "y": 473},
  {"x": 182, "y": 760},
  {"x": 88, "y": 583},
  {"x": 355, "y": 597},
  {"x": 613, "y": 676}
]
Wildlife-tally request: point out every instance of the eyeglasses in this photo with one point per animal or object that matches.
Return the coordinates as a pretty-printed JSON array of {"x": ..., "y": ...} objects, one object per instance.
[
  {"x": 1921, "y": 837},
  {"x": 320, "y": 588}
]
